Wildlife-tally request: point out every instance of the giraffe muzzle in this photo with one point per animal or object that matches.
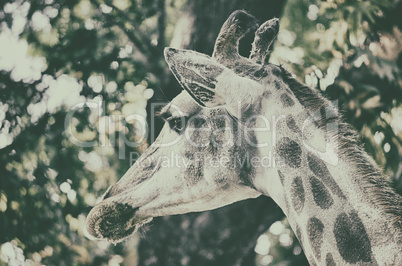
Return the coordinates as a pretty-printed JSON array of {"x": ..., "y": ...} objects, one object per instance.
[{"x": 113, "y": 221}]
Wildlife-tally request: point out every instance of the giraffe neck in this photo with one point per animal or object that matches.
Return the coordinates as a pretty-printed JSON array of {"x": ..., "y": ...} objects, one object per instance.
[
  {"x": 336, "y": 201},
  {"x": 334, "y": 218}
]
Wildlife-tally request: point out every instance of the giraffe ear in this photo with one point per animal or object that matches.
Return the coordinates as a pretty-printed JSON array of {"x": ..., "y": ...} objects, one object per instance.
[{"x": 198, "y": 75}]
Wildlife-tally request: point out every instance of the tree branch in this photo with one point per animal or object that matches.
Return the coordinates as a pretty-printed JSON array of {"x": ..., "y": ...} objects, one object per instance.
[{"x": 161, "y": 24}]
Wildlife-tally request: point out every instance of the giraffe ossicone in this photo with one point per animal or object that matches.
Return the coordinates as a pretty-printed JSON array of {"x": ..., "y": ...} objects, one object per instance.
[{"x": 238, "y": 131}]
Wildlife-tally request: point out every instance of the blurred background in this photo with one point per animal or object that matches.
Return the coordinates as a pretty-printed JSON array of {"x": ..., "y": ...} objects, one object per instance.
[{"x": 55, "y": 54}]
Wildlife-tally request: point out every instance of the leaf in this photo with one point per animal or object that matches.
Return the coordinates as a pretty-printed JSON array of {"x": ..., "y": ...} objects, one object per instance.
[{"x": 372, "y": 102}]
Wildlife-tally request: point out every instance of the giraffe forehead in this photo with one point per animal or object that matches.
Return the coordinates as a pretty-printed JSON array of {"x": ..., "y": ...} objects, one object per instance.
[
  {"x": 267, "y": 75},
  {"x": 182, "y": 105}
]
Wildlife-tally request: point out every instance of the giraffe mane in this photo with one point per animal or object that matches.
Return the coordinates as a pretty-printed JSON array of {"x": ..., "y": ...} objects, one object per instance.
[{"x": 372, "y": 180}]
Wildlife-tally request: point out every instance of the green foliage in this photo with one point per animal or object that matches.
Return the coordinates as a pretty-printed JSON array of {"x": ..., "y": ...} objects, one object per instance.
[
  {"x": 76, "y": 51},
  {"x": 345, "y": 49}
]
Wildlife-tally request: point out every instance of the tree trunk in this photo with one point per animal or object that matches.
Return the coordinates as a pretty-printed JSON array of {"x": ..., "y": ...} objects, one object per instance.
[{"x": 225, "y": 236}]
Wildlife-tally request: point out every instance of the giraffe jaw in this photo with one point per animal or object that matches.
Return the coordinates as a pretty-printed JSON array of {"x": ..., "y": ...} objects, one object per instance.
[{"x": 114, "y": 221}]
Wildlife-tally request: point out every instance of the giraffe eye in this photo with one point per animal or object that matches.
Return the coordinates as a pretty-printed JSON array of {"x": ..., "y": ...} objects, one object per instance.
[{"x": 177, "y": 124}]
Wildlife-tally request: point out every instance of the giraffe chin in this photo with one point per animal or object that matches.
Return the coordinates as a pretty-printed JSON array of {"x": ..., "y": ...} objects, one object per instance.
[{"x": 114, "y": 222}]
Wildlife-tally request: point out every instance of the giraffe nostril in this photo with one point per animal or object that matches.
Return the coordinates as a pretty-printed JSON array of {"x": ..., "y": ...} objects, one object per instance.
[{"x": 108, "y": 223}]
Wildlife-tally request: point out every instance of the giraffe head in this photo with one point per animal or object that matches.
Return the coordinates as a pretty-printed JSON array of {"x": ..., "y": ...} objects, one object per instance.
[{"x": 207, "y": 153}]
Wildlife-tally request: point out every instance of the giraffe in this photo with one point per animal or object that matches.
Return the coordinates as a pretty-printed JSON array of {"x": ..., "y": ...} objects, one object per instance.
[{"x": 242, "y": 128}]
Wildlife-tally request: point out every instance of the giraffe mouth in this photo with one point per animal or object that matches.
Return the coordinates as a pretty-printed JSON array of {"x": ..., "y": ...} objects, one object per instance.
[{"x": 114, "y": 221}]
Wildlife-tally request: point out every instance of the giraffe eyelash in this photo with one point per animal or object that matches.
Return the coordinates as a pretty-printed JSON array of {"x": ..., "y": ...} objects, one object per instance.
[{"x": 164, "y": 115}]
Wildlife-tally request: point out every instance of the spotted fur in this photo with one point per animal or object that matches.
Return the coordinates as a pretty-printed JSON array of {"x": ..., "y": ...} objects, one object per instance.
[
  {"x": 297, "y": 193},
  {"x": 352, "y": 239},
  {"x": 324, "y": 211},
  {"x": 290, "y": 151},
  {"x": 321, "y": 195},
  {"x": 315, "y": 230},
  {"x": 370, "y": 176}
]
